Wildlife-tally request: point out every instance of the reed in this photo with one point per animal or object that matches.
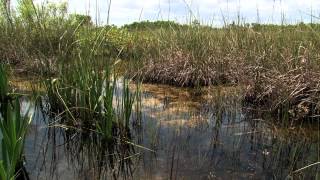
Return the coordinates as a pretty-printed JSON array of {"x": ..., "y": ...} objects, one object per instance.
[{"x": 85, "y": 90}]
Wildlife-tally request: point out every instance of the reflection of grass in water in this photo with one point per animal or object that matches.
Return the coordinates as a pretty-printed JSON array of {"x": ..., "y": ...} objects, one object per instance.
[
  {"x": 277, "y": 153},
  {"x": 82, "y": 75},
  {"x": 105, "y": 158},
  {"x": 291, "y": 154},
  {"x": 269, "y": 158}
]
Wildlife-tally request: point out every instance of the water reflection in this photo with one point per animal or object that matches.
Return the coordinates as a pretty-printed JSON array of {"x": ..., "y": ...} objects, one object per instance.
[
  {"x": 60, "y": 153},
  {"x": 176, "y": 135}
]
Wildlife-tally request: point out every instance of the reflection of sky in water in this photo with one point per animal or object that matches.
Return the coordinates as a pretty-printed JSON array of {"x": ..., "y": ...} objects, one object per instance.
[{"x": 207, "y": 137}]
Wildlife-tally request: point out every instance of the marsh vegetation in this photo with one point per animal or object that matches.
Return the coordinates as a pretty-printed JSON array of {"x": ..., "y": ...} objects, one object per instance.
[{"x": 242, "y": 98}]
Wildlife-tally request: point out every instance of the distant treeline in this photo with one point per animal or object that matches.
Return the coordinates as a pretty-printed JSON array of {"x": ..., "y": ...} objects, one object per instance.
[
  {"x": 161, "y": 24},
  {"x": 151, "y": 25},
  {"x": 172, "y": 24}
]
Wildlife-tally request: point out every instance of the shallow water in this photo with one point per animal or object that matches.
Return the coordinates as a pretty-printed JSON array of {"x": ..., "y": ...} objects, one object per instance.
[{"x": 176, "y": 134}]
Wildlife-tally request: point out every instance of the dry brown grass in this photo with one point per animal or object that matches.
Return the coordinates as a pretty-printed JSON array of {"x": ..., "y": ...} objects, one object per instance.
[
  {"x": 180, "y": 68},
  {"x": 295, "y": 93}
]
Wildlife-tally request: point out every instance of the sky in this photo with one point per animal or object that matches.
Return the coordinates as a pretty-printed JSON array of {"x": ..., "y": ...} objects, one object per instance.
[{"x": 210, "y": 12}]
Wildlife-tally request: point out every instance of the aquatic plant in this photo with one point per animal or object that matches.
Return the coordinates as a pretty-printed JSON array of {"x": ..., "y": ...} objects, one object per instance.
[
  {"x": 84, "y": 90},
  {"x": 4, "y": 87},
  {"x": 127, "y": 102},
  {"x": 13, "y": 129}
]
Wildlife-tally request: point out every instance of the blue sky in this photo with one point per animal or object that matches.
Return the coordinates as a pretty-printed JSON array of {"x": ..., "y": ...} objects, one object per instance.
[{"x": 212, "y": 12}]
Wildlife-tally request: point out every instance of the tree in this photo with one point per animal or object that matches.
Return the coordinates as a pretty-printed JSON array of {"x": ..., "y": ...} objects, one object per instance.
[
  {"x": 81, "y": 19},
  {"x": 195, "y": 22}
]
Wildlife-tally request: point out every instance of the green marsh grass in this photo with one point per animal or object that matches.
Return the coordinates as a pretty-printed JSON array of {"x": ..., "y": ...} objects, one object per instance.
[
  {"x": 84, "y": 90},
  {"x": 279, "y": 65},
  {"x": 13, "y": 129},
  {"x": 47, "y": 39},
  {"x": 75, "y": 59}
]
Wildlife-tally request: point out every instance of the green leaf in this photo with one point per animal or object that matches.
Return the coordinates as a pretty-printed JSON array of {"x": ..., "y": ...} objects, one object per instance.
[{"x": 3, "y": 172}]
